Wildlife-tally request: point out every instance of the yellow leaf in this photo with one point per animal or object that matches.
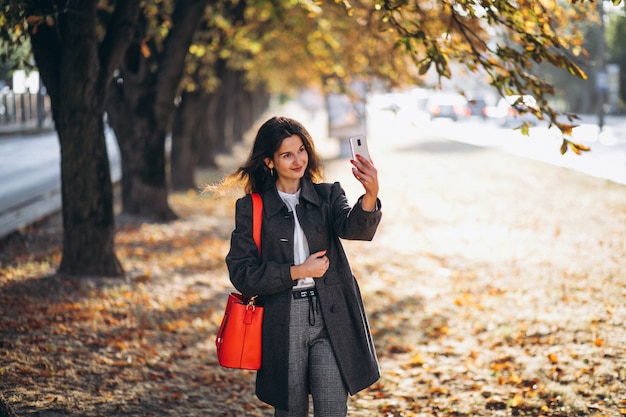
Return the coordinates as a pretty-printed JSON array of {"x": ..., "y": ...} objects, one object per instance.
[
  {"x": 417, "y": 360},
  {"x": 552, "y": 357},
  {"x": 517, "y": 400},
  {"x": 438, "y": 390},
  {"x": 142, "y": 278},
  {"x": 168, "y": 327},
  {"x": 567, "y": 129},
  {"x": 145, "y": 49},
  {"x": 598, "y": 342},
  {"x": 524, "y": 129}
]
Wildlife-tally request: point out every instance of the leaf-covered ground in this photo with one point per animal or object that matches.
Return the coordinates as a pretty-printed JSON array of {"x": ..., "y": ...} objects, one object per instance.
[{"x": 495, "y": 287}]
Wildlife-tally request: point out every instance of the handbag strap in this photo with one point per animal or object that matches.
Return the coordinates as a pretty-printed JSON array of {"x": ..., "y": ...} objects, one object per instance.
[{"x": 257, "y": 218}]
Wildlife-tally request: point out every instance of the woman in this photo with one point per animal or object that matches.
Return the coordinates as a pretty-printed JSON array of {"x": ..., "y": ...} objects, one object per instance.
[{"x": 316, "y": 338}]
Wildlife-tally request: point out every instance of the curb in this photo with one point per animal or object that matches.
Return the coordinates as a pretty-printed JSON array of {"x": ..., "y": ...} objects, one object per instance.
[{"x": 25, "y": 129}]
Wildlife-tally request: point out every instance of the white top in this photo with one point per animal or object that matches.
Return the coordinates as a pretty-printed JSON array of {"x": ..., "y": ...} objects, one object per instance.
[{"x": 300, "y": 244}]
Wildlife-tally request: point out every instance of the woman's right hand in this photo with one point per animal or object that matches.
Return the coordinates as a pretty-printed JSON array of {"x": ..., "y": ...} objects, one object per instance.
[{"x": 315, "y": 266}]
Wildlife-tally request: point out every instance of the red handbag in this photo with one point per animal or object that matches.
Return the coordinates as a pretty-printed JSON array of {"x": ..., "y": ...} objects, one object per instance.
[{"x": 239, "y": 337}]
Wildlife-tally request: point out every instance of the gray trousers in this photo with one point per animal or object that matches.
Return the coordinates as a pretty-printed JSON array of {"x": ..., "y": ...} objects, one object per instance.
[{"x": 312, "y": 365}]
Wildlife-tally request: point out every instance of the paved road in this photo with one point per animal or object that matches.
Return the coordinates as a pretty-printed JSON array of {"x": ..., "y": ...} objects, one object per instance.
[
  {"x": 607, "y": 158},
  {"x": 30, "y": 166},
  {"x": 30, "y": 182}
]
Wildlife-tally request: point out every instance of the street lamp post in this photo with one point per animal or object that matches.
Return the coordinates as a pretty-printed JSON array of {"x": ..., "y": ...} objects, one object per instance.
[{"x": 602, "y": 81}]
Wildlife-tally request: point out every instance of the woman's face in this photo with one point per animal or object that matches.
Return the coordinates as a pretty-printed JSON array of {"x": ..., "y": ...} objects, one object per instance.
[{"x": 290, "y": 160}]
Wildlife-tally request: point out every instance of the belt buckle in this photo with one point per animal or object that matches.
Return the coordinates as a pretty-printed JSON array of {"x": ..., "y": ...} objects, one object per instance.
[{"x": 304, "y": 293}]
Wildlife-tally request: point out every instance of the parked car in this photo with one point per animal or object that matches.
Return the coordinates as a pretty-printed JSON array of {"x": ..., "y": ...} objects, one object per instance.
[
  {"x": 451, "y": 106},
  {"x": 517, "y": 109},
  {"x": 477, "y": 107}
]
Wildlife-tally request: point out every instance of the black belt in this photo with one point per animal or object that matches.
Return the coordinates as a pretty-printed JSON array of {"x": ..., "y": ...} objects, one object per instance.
[{"x": 307, "y": 293}]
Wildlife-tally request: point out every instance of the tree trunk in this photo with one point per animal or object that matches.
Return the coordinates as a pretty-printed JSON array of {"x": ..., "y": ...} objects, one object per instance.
[
  {"x": 260, "y": 100},
  {"x": 5, "y": 408},
  {"x": 228, "y": 108},
  {"x": 141, "y": 107},
  {"x": 220, "y": 132},
  {"x": 184, "y": 158},
  {"x": 76, "y": 71},
  {"x": 210, "y": 133},
  {"x": 89, "y": 226},
  {"x": 142, "y": 150},
  {"x": 141, "y": 129},
  {"x": 194, "y": 135},
  {"x": 241, "y": 107},
  {"x": 213, "y": 138}
]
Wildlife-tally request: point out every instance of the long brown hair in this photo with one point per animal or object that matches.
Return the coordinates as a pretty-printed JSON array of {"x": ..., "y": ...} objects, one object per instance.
[{"x": 254, "y": 175}]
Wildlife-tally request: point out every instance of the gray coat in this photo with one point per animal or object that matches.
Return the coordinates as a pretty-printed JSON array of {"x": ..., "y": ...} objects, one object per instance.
[{"x": 325, "y": 216}]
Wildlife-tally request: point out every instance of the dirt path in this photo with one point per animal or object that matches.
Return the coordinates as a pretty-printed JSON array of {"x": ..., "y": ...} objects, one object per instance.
[{"x": 495, "y": 287}]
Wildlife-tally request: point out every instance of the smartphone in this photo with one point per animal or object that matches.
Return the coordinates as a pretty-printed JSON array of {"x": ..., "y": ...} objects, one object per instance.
[{"x": 358, "y": 146}]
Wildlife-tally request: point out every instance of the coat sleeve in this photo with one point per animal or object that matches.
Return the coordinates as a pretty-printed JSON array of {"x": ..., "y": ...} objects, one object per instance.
[
  {"x": 247, "y": 272},
  {"x": 353, "y": 223}
]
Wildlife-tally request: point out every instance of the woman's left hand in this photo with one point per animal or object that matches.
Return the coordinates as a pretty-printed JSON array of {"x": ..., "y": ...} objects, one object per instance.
[{"x": 367, "y": 174}]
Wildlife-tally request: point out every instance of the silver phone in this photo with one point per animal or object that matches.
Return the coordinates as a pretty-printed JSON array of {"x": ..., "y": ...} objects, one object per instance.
[{"x": 358, "y": 146}]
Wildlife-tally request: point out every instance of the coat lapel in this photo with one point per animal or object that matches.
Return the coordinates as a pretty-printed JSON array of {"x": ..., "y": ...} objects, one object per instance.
[{"x": 273, "y": 204}]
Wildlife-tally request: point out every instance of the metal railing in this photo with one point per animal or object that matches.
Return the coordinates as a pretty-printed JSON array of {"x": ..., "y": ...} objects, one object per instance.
[{"x": 22, "y": 108}]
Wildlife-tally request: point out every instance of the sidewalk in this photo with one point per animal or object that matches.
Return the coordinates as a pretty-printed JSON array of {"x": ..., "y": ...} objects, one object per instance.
[{"x": 25, "y": 128}]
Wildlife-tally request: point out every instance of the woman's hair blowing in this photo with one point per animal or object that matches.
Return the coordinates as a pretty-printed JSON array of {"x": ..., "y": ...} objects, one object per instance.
[{"x": 254, "y": 175}]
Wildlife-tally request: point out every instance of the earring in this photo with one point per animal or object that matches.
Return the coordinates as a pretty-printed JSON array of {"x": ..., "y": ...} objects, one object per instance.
[{"x": 271, "y": 172}]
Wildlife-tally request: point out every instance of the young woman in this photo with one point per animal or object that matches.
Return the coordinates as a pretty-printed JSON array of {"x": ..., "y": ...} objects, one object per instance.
[{"x": 316, "y": 338}]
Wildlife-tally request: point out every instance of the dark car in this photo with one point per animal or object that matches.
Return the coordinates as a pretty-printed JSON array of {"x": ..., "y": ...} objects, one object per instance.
[
  {"x": 477, "y": 107},
  {"x": 451, "y": 106},
  {"x": 517, "y": 109}
]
